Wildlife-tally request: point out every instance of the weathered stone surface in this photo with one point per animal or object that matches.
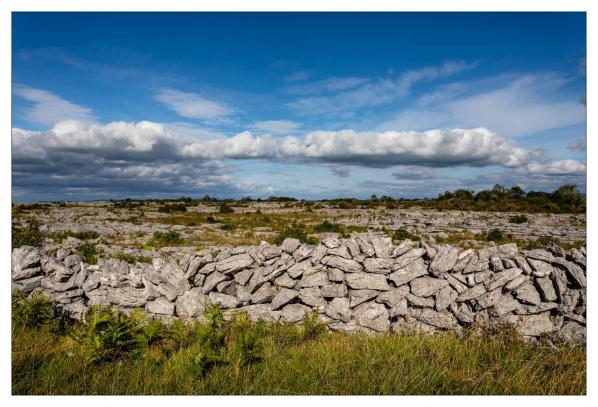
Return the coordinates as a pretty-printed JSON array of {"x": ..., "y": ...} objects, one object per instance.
[
  {"x": 427, "y": 286},
  {"x": 392, "y": 297},
  {"x": 455, "y": 283},
  {"x": 285, "y": 281},
  {"x": 336, "y": 275},
  {"x": 546, "y": 289},
  {"x": 373, "y": 316},
  {"x": 462, "y": 312},
  {"x": 399, "y": 309},
  {"x": 347, "y": 265},
  {"x": 442, "y": 320},
  {"x": 488, "y": 299},
  {"x": 289, "y": 245},
  {"x": 294, "y": 313},
  {"x": 190, "y": 304},
  {"x": 501, "y": 278},
  {"x": 312, "y": 296},
  {"x": 225, "y": 301},
  {"x": 411, "y": 271},
  {"x": 528, "y": 294},
  {"x": 263, "y": 294},
  {"x": 234, "y": 264},
  {"x": 357, "y": 297},
  {"x": 339, "y": 309},
  {"x": 334, "y": 290},
  {"x": 382, "y": 246},
  {"x": 212, "y": 281},
  {"x": 471, "y": 293},
  {"x": 540, "y": 268},
  {"x": 298, "y": 269},
  {"x": 160, "y": 306},
  {"x": 504, "y": 305},
  {"x": 444, "y": 260},
  {"x": 402, "y": 248},
  {"x": 444, "y": 297},
  {"x": 26, "y": 262},
  {"x": 377, "y": 265},
  {"x": 316, "y": 279},
  {"x": 284, "y": 297},
  {"x": 366, "y": 281},
  {"x": 408, "y": 258},
  {"x": 534, "y": 325},
  {"x": 516, "y": 282},
  {"x": 427, "y": 302}
]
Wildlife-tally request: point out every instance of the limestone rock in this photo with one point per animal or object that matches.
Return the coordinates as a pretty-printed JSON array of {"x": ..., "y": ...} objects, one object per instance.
[
  {"x": 373, "y": 316},
  {"x": 427, "y": 286},
  {"x": 284, "y": 297},
  {"x": 411, "y": 271},
  {"x": 160, "y": 306},
  {"x": 442, "y": 320},
  {"x": 444, "y": 297},
  {"x": 190, "y": 304},
  {"x": 378, "y": 265},
  {"x": 366, "y": 281},
  {"x": 289, "y": 245},
  {"x": 339, "y": 309},
  {"x": 357, "y": 297},
  {"x": 408, "y": 258},
  {"x": 293, "y": 313},
  {"x": 445, "y": 260},
  {"x": 225, "y": 301}
]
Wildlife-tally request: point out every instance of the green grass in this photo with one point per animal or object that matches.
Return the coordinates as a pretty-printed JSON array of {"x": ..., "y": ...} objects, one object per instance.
[
  {"x": 115, "y": 354},
  {"x": 131, "y": 258}
]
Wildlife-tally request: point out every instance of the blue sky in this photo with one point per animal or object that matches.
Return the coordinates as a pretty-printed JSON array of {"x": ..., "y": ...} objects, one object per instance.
[{"x": 314, "y": 105}]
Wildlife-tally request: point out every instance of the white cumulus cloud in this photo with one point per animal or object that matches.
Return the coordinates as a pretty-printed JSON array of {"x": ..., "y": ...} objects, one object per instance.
[
  {"x": 192, "y": 105},
  {"x": 48, "y": 108}
]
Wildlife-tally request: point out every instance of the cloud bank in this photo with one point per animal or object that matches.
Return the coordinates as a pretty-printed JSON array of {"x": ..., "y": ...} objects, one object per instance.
[{"x": 155, "y": 158}]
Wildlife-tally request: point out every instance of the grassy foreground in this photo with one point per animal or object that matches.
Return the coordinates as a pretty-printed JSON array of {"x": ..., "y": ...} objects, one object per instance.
[{"x": 241, "y": 357}]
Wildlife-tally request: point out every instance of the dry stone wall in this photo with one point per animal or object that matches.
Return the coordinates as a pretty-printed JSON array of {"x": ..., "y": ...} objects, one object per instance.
[{"x": 362, "y": 283}]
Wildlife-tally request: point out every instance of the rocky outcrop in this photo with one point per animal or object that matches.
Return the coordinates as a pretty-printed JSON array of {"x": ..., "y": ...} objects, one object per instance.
[{"x": 364, "y": 283}]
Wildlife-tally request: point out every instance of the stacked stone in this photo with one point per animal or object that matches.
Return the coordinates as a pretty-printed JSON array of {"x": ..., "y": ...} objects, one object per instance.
[{"x": 363, "y": 283}]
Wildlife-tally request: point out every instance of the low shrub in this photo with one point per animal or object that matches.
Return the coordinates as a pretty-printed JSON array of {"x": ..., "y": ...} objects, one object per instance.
[
  {"x": 32, "y": 312},
  {"x": 64, "y": 234},
  {"x": 131, "y": 258},
  {"x": 28, "y": 235},
  {"x": 178, "y": 207},
  {"x": 402, "y": 234},
  {"x": 170, "y": 238},
  {"x": 328, "y": 227},
  {"x": 295, "y": 231},
  {"x": 225, "y": 208},
  {"x": 518, "y": 219},
  {"x": 89, "y": 252},
  {"x": 495, "y": 235}
]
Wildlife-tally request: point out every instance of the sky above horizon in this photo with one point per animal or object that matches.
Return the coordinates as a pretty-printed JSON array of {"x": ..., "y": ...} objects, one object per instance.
[{"x": 310, "y": 105}]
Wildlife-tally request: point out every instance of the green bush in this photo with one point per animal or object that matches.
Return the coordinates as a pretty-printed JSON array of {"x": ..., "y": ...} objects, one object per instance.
[
  {"x": 518, "y": 219},
  {"x": 179, "y": 207},
  {"x": 170, "y": 238},
  {"x": 312, "y": 326},
  {"x": 225, "y": 208},
  {"x": 131, "y": 258},
  {"x": 108, "y": 334},
  {"x": 495, "y": 235},
  {"x": 402, "y": 234},
  {"x": 295, "y": 231},
  {"x": 33, "y": 312},
  {"x": 63, "y": 234},
  {"x": 28, "y": 235},
  {"x": 328, "y": 227},
  {"x": 88, "y": 251}
]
